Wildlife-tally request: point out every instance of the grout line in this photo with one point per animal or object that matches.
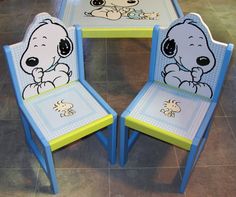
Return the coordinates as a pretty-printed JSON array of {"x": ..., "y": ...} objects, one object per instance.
[
  {"x": 36, "y": 184},
  {"x": 222, "y": 109},
  {"x": 181, "y": 178},
  {"x": 109, "y": 181},
  {"x": 177, "y": 163},
  {"x": 231, "y": 129}
]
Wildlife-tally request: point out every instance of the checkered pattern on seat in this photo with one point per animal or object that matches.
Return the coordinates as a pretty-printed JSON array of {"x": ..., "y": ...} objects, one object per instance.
[
  {"x": 155, "y": 108},
  {"x": 54, "y": 118}
]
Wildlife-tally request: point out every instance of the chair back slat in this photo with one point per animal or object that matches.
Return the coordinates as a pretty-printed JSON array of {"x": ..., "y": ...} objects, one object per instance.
[
  {"x": 46, "y": 58},
  {"x": 187, "y": 57}
]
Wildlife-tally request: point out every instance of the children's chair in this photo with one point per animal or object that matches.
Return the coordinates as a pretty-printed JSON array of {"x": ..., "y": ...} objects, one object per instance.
[
  {"x": 176, "y": 104},
  {"x": 57, "y": 106}
]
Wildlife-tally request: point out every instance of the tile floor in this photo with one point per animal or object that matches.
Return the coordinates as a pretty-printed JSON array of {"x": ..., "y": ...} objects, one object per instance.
[{"x": 117, "y": 69}]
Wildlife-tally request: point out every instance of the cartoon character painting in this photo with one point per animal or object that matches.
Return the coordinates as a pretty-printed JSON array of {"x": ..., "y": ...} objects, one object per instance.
[
  {"x": 115, "y": 9},
  {"x": 64, "y": 108},
  {"x": 140, "y": 15},
  {"x": 47, "y": 45},
  {"x": 170, "y": 108},
  {"x": 187, "y": 71}
]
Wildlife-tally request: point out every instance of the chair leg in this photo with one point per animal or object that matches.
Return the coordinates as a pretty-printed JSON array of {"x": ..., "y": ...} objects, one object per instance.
[
  {"x": 51, "y": 170},
  {"x": 193, "y": 156},
  {"x": 189, "y": 166},
  {"x": 124, "y": 149},
  {"x": 112, "y": 141},
  {"x": 26, "y": 126}
]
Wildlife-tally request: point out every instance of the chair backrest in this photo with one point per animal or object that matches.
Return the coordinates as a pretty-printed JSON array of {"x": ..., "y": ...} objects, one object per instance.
[
  {"x": 46, "y": 58},
  {"x": 186, "y": 56}
]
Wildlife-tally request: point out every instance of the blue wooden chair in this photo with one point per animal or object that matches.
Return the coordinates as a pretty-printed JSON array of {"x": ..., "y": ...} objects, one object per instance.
[
  {"x": 56, "y": 104},
  {"x": 176, "y": 104}
]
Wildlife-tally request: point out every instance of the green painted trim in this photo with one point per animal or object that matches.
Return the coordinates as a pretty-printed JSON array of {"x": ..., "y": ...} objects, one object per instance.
[
  {"x": 117, "y": 32},
  {"x": 158, "y": 133},
  {"x": 47, "y": 91},
  {"x": 80, "y": 132}
]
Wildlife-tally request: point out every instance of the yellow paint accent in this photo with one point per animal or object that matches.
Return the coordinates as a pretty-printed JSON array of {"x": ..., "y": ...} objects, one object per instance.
[
  {"x": 117, "y": 32},
  {"x": 47, "y": 91},
  {"x": 158, "y": 133},
  {"x": 80, "y": 132}
]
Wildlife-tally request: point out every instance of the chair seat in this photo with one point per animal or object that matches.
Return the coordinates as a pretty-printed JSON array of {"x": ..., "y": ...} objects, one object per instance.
[
  {"x": 173, "y": 113},
  {"x": 65, "y": 109}
]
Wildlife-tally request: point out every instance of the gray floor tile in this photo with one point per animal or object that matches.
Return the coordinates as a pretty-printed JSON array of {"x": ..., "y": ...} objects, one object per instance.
[
  {"x": 12, "y": 7},
  {"x": 220, "y": 146},
  {"x": 9, "y": 24},
  {"x": 128, "y": 46},
  {"x": 228, "y": 98},
  {"x": 14, "y": 151},
  {"x": 76, "y": 182},
  {"x": 128, "y": 66},
  {"x": 118, "y": 69},
  {"x": 212, "y": 181},
  {"x": 94, "y": 46},
  {"x": 150, "y": 152},
  {"x": 96, "y": 67},
  {"x": 85, "y": 153},
  {"x": 145, "y": 182},
  {"x": 232, "y": 122},
  {"x": 17, "y": 182}
]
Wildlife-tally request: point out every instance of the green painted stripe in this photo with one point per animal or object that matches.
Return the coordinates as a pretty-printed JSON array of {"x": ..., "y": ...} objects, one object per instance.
[
  {"x": 117, "y": 32},
  {"x": 158, "y": 133},
  {"x": 80, "y": 132}
]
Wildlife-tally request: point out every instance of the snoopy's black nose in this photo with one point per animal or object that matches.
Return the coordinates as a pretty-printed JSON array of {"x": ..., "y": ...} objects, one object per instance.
[
  {"x": 32, "y": 61},
  {"x": 203, "y": 61},
  {"x": 131, "y": 1}
]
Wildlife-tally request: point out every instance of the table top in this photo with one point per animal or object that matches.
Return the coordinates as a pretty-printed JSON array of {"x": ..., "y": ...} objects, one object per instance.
[{"x": 119, "y": 18}]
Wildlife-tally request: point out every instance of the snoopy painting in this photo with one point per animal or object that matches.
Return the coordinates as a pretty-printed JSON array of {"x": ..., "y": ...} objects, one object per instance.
[
  {"x": 187, "y": 45},
  {"x": 116, "y": 9},
  {"x": 170, "y": 108},
  {"x": 48, "y": 44}
]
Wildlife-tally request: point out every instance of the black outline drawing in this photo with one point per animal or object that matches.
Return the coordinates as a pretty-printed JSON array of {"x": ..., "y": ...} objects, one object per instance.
[
  {"x": 193, "y": 76},
  {"x": 170, "y": 108},
  {"x": 53, "y": 75},
  {"x": 116, "y": 9},
  {"x": 64, "y": 108}
]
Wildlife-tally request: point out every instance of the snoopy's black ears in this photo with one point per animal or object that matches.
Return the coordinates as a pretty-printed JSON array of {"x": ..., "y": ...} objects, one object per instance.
[
  {"x": 97, "y": 3},
  {"x": 65, "y": 47},
  {"x": 169, "y": 47}
]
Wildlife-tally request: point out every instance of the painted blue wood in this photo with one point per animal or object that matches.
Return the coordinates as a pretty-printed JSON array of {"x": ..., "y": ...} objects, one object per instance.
[
  {"x": 101, "y": 137},
  {"x": 132, "y": 139},
  {"x": 51, "y": 170},
  {"x": 62, "y": 9},
  {"x": 123, "y": 141},
  {"x": 137, "y": 98},
  {"x": 80, "y": 54},
  {"x": 153, "y": 53},
  {"x": 13, "y": 75},
  {"x": 39, "y": 156},
  {"x": 188, "y": 168},
  {"x": 112, "y": 141},
  {"x": 204, "y": 124},
  {"x": 224, "y": 68},
  {"x": 32, "y": 123},
  {"x": 98, "y": 98},
  {"x": 177, "y": 8},
  {"x": 26, "y": 125}
]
